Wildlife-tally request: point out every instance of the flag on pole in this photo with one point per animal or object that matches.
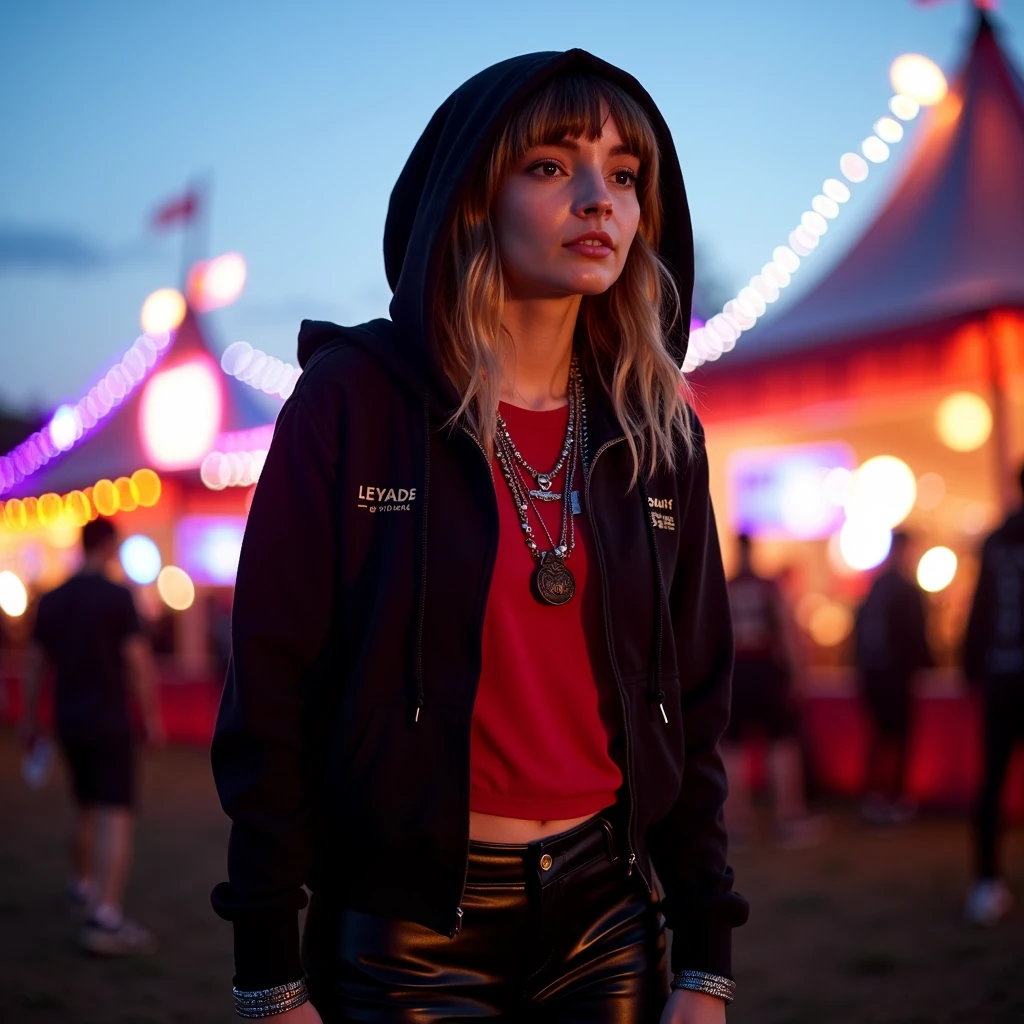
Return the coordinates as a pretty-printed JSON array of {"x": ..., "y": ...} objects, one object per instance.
[{"x": 181, "y": 210}]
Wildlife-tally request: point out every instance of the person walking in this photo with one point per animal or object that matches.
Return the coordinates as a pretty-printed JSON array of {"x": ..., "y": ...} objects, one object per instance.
[
  {"x": 994, "y": 664},
  {"x": 891, "y": 645},
  {"x": 763, "y": 704},
  {"x": 88, "y": 631},
  {"x": 481, "y": 640}
]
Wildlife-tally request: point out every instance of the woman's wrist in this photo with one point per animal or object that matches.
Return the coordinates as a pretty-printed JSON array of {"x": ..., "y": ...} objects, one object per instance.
[
  {"x": 710, "y": 984},
  {"x": 267, "y": 1002}
]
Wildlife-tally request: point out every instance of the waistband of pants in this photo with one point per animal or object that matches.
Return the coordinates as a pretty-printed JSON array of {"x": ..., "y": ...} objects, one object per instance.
[{"x": 548, "y": 858}]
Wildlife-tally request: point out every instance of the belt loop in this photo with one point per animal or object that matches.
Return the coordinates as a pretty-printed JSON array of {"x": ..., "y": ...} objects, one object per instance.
[{"x": 609, "y": 835}]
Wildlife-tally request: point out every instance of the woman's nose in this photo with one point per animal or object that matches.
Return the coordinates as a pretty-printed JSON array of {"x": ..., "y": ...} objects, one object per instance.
[{"x": 594, "y": 199}]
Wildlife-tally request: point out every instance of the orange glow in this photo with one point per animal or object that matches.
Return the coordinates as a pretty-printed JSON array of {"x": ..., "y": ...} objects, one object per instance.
[
  {"x": 162, "y": 311},
  {"x": 919, "y": 78},
  {"x": 147, "y": 487},
  {"x": 217, "y": 282},
  {"x": 106, "y": 498},
  {"x": 127, "y": 496},
  {"x": 15, "y": 516},
  {"x": 77, "y": 508},
  {"x": 49, "y": 509}
]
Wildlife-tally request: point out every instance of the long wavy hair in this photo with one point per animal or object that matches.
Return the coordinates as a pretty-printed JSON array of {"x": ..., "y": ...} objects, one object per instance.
[{"x": 626, "y": 326}]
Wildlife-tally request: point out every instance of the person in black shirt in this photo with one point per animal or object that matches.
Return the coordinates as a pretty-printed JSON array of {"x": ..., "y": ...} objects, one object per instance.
[
  {"x": 891, "y": 645},
  {"x": 994, "y": 664},
  {"x": 88, "y": 630}
]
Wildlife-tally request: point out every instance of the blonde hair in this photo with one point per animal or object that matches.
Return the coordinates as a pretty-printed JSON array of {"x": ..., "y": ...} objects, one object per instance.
[{"x": 626, "y": 326}]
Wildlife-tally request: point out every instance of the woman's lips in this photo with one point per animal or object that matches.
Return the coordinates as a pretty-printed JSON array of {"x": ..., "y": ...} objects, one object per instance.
[{"x": 595, "y": 244}]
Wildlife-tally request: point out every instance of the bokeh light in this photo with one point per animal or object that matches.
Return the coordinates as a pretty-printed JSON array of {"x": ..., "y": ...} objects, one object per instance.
[
  {"x": 65, "y": 428},
  {"x": 13, "y": 595},
  {"x": 905, "y": 108},
  {"x": 176, "y": 588},
  {"x": 963, "y": 421},
  {"x": 931, "y": 489},
  {"x": 180, "y": 415},
  {"x": 875, "y": 149},
  {"x": 140, "y": 559},
  {"x": 162, "y": 311},
  {"x": 854, "y": 167},
  {"x": 836, "y": 190},
  {"x": 916, "y": 76},
  {"x": 936, "y": 569},
  {"x": 147, "y": 487},
  {"x": 864, "y": 544},
  {"x": 830, "y": 624},
  {"x": 882, "y": 492},
  {"x": 888, "y": 129},
  {"x": 105, "y": 497},
  {"x": 218, "y": 282}
]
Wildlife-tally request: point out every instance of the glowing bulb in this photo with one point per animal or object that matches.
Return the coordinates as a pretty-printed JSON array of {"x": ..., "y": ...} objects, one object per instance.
[
  {"x": 65, "y": 428},
  {"x": 830, "y": 624},
  {"x": 936, "y": 569},
  {"x": 905, "y": 108},
  {"x": 836, "y": 190},
  {"x": 750, "y": 302},
  {"x": 786, "y": 258},
  {"x": 13, "y": 595},
  {"x": 162, "y": 311},
  {"x": 105, "y": 497},
  {"x": 854, "y": 167},
  {"x": 176, "y": 588},
  {"x": 180, "y": 415},
  {"x": 836, "y": 486},
  {"x": 734, "y": 311},
  {"x": 919, "y": 78},
  {"x": 963, "y": 421},
  {"x": 140, "y": 559},
  {"x": 814, "y": 222},
  {"x": 218, "y": 282},
  {"x": 882, "y": 492},
  {"x": 147, "y": 487},
  {"x": 875, "y": 149},
  {"x": 236, "y": 357},
  {"x": 765, "y": 287},
  {"x": 773, "y": 272},
  {"x": 825, "y": 207},
  {"x": 888, "y": 129},
  {"x": 803, "y": 241},
  {"x": 863, "y": 545},
  {"x": 76, "y": 505}
]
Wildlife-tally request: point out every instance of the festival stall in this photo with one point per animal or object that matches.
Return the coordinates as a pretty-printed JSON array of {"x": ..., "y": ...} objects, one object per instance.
[{"x": 890, "y": 395}]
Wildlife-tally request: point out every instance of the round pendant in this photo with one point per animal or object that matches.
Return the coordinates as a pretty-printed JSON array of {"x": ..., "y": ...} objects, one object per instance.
[
  {"x": 553, "y": 583},
  {"x": 544, "y": 482}
]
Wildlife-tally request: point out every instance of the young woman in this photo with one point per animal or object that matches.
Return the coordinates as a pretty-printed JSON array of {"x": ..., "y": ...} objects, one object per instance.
[{"x": 481, "y": 640}]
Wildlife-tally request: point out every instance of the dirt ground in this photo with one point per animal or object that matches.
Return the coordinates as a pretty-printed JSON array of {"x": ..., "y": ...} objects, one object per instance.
[{"x": 864, "y": 928}]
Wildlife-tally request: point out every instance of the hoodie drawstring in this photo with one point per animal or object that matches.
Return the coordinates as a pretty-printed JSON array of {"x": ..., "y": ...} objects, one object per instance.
[
  {"x": 422, "y": 610},
  {"x": 655, "y": 693}
]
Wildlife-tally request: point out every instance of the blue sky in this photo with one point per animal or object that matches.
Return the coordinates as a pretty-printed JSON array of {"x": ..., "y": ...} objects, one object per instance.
[{"x": 302, "y": 113}]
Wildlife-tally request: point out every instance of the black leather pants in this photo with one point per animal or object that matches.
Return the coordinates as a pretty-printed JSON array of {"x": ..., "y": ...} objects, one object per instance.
[{"x": 552, "y": 932}]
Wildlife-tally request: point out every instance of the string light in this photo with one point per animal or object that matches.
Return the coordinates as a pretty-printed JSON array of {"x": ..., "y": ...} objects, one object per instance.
[
  {"x": 216, "y": 283},
  {"x": 176, "y": 588},
  {"x": 936, "y": 569},
  {"x": 106, "y": 497},
  {"x": 232, "y": 469},
  {"x": 70, "y": 423},
  {"x": 13, "y": 595},
  {"x": 254, "y": 367},
  {"x": 918, "y": 82},
  {"x": 163, "y": 310}
]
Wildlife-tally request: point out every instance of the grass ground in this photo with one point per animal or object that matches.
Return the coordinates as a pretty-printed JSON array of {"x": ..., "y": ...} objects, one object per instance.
[{"x": 862, "y": 929}]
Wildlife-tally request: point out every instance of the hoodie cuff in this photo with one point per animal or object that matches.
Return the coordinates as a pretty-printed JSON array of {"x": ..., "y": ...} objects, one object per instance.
[
  {"x": 703, "y": 946},
  {"x": 266, "y": 949}
]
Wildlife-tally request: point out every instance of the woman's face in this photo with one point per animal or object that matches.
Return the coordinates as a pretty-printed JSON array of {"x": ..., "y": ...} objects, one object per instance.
[{"x": 566, "y": 216}]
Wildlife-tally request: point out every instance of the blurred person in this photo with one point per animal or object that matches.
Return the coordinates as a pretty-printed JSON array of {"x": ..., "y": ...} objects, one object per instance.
[
  {"x": 994, "y": 664},
  {"x": 763, "y": 704},
  {"x": 481, "y": 639},
  {"x": 891, "y": 646},
  {"x": 88, "y": 630}
]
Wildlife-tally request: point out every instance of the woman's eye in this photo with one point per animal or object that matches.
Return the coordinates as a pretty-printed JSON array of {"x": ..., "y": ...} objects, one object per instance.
[
  {"x": 625, "y": 178},
  {"x": 547, "y": 168}
]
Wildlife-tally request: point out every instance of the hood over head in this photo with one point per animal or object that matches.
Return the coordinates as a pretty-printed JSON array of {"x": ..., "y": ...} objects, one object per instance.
[{"x": 443, "y": 163}]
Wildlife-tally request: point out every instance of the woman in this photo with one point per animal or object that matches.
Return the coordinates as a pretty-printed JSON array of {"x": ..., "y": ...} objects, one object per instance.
[{"x": 481, "y": 642}]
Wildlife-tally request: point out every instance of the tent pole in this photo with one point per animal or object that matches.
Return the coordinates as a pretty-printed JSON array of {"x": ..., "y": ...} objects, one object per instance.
[{"x": 1000, "y": 416}]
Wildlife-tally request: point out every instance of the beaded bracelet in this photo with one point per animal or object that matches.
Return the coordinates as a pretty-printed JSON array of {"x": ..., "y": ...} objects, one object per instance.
[
  {"x": 710, "y": 984},
  {"x": 267, "y": 1002}
]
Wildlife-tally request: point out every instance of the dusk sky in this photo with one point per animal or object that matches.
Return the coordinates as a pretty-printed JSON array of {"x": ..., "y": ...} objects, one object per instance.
[{"x": 301, "y": 115}]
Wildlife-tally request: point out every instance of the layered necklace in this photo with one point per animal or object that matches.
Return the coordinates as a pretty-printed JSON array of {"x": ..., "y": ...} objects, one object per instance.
[{"x": 552, "y": 582}]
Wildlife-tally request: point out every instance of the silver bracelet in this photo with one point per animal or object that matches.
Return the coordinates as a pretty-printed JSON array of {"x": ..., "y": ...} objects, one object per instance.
[
  {"x": 267, "y": 1002},
  {"x": 710, "y": 984}
]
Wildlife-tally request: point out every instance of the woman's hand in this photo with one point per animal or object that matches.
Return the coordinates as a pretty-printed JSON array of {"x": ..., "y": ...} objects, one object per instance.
[
  {"x": 304, "y": 1014},
  {"x": 686, "y": 1007}
]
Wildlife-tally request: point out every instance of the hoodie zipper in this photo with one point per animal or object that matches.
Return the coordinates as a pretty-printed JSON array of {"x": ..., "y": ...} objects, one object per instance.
[{"x": 615, "y": 671}]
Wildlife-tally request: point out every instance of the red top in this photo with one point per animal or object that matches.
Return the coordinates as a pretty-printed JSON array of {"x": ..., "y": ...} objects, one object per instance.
[{"x": 542, "y": 723}]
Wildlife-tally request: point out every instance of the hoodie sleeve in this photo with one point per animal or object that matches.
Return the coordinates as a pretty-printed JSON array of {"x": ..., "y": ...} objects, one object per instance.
[
  {"x": 280, "y": 625},
  {"x": 688, "y": 847}
]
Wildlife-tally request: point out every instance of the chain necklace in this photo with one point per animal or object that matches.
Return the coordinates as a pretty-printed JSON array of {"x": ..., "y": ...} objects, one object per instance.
[
  {"x": 552, "y": 581},
  {"x": 543, "y": 491}
]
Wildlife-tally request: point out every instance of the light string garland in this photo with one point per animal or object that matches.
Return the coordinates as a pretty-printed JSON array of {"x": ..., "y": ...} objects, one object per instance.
[
  {"x": 106, "y": 497},
  {"x": 70, "y": 423},
  {"x": 918, "y": 82},
  {"x": 254, "y": 367},
  {"x": 232, "y": 469}
]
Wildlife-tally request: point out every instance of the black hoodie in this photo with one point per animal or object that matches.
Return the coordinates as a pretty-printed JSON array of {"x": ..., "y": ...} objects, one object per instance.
[{"x": 341, "y": 751}]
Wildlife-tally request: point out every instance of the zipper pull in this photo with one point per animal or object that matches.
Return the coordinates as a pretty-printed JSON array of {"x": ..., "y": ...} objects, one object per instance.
[
  {"x": 458, "y": 923},
  {"x": 629, "y": 868},
  {"x": 663, "y": 715}
]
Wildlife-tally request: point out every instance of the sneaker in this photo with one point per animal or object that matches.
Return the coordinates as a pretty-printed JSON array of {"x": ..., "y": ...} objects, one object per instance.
[
  {"x": 800, "y": 833},
  {"x": 127, "y": 939},
  {"x": 988, "y": 902},
  {"x": 80, "y": 902}
]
